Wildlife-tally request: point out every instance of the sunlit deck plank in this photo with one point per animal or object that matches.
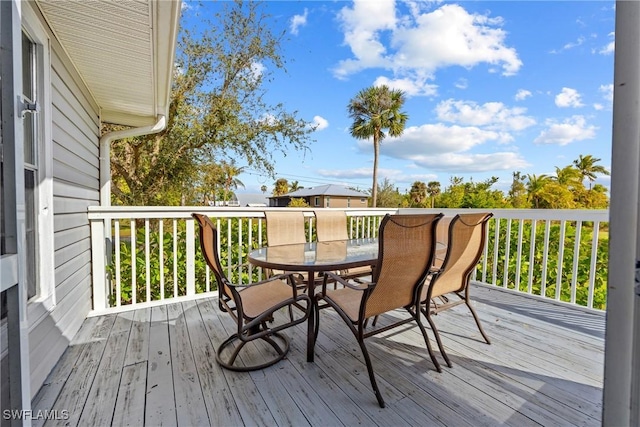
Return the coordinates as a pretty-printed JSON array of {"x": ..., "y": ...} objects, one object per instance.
[{"x": 544, "y": 367}]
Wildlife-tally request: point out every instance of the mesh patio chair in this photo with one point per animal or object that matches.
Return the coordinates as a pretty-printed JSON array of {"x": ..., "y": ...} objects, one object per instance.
[
  {"x": 252, "y": 306},
  {"x": 285, "y": 228},
  {"x": 406, "y": 249},
  {"x": 331, "y": 225},
  {"x": 465, "y": 243}
]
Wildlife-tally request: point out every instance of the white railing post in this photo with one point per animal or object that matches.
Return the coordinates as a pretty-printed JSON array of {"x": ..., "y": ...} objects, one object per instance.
[
  {"x": 99, "y": 265},
  {"x": 191, "y": 258}
]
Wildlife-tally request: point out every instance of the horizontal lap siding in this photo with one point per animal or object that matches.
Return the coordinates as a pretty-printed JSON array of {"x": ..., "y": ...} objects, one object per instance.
[{"x": 75, "y": 132}]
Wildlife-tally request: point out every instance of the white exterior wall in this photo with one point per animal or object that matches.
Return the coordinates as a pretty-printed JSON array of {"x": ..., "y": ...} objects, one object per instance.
[{"x": 73, "y": 141}]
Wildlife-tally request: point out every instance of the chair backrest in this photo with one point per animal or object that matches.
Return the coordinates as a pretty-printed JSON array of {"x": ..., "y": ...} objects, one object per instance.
[
  {"x": 285, "y": 228},
  {"x": 467, "y": 234},
  {"x": 209, "y": 246},
  {"x": 331, "y": 225},
  {"x": 405, "y": 256}
]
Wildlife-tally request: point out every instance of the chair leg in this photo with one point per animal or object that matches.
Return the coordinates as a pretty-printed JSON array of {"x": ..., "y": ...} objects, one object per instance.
[
  {"x": 281, "y": 352},
  {"x": 428, "y": 342},
  {"x": 475, "y": 317},
  {"x": 437, "y": 334},
  {"x": 372, "y": 377},
  {"x": 313, "y": 328}
]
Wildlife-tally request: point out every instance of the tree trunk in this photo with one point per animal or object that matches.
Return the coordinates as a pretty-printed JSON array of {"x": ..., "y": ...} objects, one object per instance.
[{"x": 374, "y": 188}]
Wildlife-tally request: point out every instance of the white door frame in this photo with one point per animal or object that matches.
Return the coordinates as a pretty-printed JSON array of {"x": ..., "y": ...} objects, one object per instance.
[
  {"x": 622, "y": 338},
  {"x": 13, "y": 264}
]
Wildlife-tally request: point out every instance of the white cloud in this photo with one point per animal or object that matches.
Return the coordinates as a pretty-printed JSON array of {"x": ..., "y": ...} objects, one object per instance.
[
  {"x": 570, "y": 130},
  {"x": 522, "y": 94},
  {"x": 320, "y": 122},
  {"x": 411, "y": 87},
  {"x": 598, "y": 106},
  {"x": 568, "y": 97},
  {"x": 570, "y": 45},
  {"x": 610, "y": 47},
  {"x": 607, "y": 92},
  {"x": 421, "y": 43},
  {"x": 469, "y": 163},
  {"x": 299, "y": 21},
  {"x": 461, "y": 84},
  {"x": 395, "y": 175},
  {"x": 432, "y": 139},
  {"x": 493, "y": 115}
]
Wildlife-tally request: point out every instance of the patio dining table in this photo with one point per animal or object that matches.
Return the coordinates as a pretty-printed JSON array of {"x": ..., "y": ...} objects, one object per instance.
[{"x": 316, "y": 257}]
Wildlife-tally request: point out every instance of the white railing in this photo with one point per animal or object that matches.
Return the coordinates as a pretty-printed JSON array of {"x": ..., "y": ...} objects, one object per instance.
[
  {"x": 554, "y": 254},
  {"x": 163, "y": 261}
]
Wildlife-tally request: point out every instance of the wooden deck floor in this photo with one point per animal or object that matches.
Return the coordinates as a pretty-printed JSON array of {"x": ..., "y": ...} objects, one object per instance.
[{"x": 157, "y": 367}]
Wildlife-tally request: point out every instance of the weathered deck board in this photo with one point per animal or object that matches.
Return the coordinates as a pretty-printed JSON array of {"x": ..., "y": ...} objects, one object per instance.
[
  {"x": 160, "y": 408},
  {"x": 157, "y": 367}
]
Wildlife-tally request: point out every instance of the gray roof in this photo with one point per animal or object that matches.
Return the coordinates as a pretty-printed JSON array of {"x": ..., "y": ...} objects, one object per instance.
[
  {"x": 248, "y": 199},
  {"x": 326, "y": 190}
]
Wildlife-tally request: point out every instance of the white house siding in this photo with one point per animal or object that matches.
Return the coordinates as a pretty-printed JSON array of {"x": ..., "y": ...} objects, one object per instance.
[{"x": 75, "y": 134}]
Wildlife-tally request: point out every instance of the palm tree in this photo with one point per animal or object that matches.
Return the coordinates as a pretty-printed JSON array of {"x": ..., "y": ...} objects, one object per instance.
[
  {"x": 418, "y": 192},
  {"x": 588, "y": 168},
  {"x": 535, "y": 188},
  {"x": 373, "y": 110},
  {"x": 433, "y": 189},
  {"x": 263, "y": 188},
  {"x": 229, "y": 176},
  {"x": 280, "y": 187},
  {"x": 294, "y": 186},
  {"x": 568, "y": 176}
]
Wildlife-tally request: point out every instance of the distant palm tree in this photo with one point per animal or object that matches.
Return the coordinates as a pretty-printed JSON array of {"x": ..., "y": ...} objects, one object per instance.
[
  {"x": 263, "y": 188},
  {"x": 588, "y": 168},
  {"x": 373, "y": 110},
  {"x": 295, "y": 186},
  {"x": 229, "y": 176},
  {"x": 280, "y": 187},
  {"x": 433, "y": 189},
  {"x": 418, "y": 192},
  {"x": 535, "y": 188},
  {"x": 567, "y": 176}
]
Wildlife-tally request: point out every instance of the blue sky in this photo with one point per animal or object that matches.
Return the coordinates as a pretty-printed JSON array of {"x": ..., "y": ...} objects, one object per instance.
[{"x": 492, "y": 87}]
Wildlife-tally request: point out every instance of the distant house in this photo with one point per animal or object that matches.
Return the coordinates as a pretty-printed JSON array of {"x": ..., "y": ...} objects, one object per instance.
[
  {"x": 252, "y": 200},
  {"x": 324, "y": 196}
]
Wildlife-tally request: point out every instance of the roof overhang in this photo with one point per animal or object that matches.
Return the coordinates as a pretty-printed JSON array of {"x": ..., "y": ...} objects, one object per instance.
[{"x": 123, "y": 51}]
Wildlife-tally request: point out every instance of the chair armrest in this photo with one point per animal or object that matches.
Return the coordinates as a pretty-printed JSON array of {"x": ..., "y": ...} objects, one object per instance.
[
  {"x": 339, "y": 279},
  {"x": 286, "y": 277}
]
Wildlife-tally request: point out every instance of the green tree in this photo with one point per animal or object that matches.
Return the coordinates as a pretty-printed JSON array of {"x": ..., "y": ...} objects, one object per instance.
[
  {"x": 209, "y": 181},
  {"x": 535, "y": 187},
  {"x": 418, "y": 194},
  {"x": 229, "y": 178},
  {"x": 374, "y": 110},
  {"x": 568, "y": 176},
  {"x": 518, "y": 192},
  {"x": 388, "y": 195},
  {"x": 298, "y": 202},
  {"x": 263, "y": 188},
  {"x": 280, "y": 187},
  {"x": 433, "y": 189},
  {"x": 218, "y": 109},
  {"x": 452, "y": 195},
  {"x": 294, "y": 186},
  {"x": 588, "y": 168}
]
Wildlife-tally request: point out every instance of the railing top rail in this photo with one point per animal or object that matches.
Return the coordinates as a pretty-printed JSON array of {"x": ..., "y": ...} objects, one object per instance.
[
  {"x": 181, "y": 212},
  {"x": 184, "y": 212},
  {"x": 536, "y": 214}
]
